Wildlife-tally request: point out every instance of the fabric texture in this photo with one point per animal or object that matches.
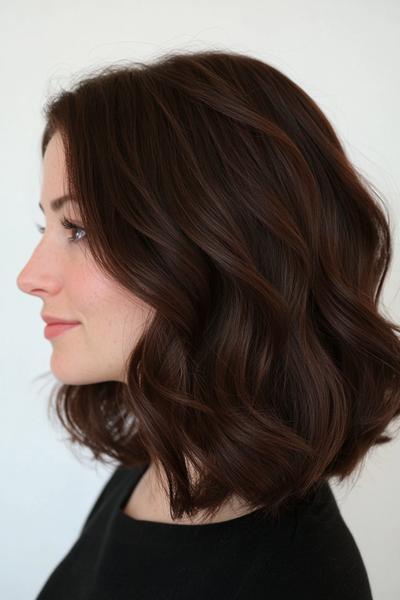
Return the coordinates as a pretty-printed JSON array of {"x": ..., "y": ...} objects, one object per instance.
[{"x": 308, "y": 553}]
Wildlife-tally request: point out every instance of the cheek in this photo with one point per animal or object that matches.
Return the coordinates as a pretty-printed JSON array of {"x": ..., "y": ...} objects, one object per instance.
[
  {"x": 91, "y": 293},
  {"x": 112, "y": 323},
  {"x": 109, "y": 312}
]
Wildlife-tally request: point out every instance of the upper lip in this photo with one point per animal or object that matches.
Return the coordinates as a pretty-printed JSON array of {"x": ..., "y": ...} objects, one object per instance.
[{"x": 50, "y": 320}]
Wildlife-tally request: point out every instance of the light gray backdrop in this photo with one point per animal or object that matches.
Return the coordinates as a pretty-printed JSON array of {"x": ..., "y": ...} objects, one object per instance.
[{"x": 345, "y": 54}]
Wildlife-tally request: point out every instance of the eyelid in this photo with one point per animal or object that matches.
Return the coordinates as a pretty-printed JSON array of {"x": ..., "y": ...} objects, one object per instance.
[{"x": 67, "y": 224}]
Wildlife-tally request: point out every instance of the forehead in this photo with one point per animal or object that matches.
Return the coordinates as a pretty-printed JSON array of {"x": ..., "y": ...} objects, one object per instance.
[
  {"x": 54, "y": 156},
  {"x": 54, "y": 184}
]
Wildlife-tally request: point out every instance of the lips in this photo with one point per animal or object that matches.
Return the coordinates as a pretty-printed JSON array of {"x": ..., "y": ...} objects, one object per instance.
[
  {"x": 52, "y": 320},
  {"x": 55, "y": 329}
]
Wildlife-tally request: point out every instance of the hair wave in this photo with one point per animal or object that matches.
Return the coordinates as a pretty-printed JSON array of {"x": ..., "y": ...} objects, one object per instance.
[{"x": 212, "y": 187}]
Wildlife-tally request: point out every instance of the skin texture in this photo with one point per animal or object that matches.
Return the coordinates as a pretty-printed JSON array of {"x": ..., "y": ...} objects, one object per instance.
[{"x": 63, "y": 275}]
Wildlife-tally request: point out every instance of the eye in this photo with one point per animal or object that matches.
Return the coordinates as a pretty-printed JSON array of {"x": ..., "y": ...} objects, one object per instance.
[{"x": 68, "y": 225}]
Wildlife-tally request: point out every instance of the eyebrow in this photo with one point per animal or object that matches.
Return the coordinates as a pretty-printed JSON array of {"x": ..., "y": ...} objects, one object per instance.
[{"x": 58, "y": 203}]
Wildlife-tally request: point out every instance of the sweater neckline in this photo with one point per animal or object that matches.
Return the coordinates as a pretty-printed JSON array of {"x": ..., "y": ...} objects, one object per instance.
[{"x": 180, "y": 531}]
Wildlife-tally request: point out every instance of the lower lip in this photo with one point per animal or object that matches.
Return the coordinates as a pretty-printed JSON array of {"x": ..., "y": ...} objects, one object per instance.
[{"x": 55, "y": 329}]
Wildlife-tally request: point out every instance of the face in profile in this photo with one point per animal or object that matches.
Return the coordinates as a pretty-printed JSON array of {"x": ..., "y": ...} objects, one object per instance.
[{"x": 63, "y": 275}]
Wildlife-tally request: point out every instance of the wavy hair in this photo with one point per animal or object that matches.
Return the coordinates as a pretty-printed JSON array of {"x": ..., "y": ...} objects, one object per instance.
[{"x": 213, "y": 187}]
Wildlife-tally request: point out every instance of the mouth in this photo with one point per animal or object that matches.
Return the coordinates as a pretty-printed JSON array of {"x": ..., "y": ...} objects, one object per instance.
[{"x": 55, "y": 329}]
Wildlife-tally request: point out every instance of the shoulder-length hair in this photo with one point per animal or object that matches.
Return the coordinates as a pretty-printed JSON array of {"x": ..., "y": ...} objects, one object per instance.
[{"x": 212, "y": 187}]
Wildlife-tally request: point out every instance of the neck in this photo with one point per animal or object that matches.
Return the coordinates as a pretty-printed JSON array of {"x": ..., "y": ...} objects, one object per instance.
[{"x": 156, "y": 501}]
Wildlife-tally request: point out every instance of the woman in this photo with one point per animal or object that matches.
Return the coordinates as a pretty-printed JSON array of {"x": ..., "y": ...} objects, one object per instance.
[{"x": 221, "y": 261}]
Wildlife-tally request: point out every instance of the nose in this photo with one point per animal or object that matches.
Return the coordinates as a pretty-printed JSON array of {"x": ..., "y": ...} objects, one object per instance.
[
  {"x": 23, "y": 281},
  {"x": 37, "y": 276}
]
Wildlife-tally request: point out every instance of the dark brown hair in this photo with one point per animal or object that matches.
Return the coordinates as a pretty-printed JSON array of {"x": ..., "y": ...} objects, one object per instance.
[{"x": 212, "y": 187}]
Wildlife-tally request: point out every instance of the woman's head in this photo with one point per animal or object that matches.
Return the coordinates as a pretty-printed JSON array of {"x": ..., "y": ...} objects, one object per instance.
[{"x": 214, "y": 192}]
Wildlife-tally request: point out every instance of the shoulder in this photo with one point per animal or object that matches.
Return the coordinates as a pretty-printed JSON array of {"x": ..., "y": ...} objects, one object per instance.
[{"x": 318, "y": 559}]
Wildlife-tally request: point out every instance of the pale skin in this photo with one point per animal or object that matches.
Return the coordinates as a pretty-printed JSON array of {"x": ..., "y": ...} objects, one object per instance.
[{"x": 63, "y": 275}]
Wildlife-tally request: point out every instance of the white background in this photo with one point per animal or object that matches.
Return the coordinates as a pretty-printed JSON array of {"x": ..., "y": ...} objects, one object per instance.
[{"x": 345, "y": 54}]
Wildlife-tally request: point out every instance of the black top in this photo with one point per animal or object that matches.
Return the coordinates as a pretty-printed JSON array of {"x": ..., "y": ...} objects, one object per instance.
[{"x": 309, "y": 553}]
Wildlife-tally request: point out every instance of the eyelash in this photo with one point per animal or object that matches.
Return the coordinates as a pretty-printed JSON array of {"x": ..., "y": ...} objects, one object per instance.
[{"x": 68, "y": 225}]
